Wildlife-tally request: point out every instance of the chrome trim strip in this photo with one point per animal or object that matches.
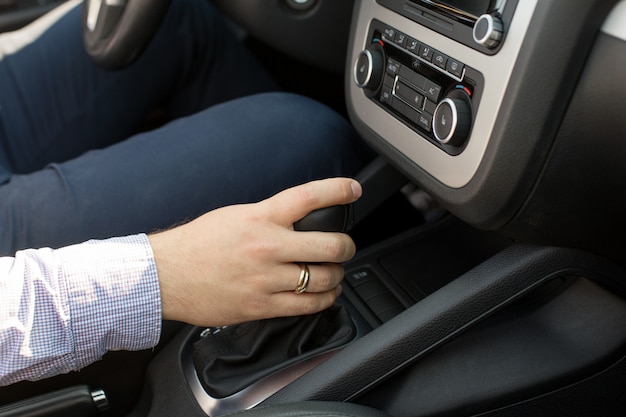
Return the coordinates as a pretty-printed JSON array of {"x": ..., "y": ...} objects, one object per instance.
[
  {"x": 453, "y": 171},
  {"x": 615, "y": 23}
]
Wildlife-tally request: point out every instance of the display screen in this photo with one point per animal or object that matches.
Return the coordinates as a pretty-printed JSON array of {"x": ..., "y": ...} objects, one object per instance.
[{"x": 462, "y": 9}]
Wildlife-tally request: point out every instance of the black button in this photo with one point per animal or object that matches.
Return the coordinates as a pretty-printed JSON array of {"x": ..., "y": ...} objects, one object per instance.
[
  {"x": 383, "y": 302},
  {"x": 440, "y": 59},
  {"x": 385, "y": 95},
  {"x": 432, "y": 90},
  {"x": 360, "y": 276},
  {"x": 454, "y": 67},
  {"x": 412, "y": 45},
  {"x": 393, "y": 67},
  {"x": 370, "y": 289},
  {"x": 409, "y": 95},
  {"x": 400, "y": 39},
  {"x": 425, "y": 120},
  {"x": 389, "y": 33},
  {"x": 426, "y": 52}
]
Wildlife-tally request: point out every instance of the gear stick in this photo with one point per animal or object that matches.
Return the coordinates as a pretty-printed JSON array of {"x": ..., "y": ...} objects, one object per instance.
[{"x": 229, "y": 359}]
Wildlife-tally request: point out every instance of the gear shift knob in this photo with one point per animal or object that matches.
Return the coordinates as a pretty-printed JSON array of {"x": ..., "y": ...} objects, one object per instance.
[
  {"x": 379, "y": 181},
  {"x": 328, "y": 219}
]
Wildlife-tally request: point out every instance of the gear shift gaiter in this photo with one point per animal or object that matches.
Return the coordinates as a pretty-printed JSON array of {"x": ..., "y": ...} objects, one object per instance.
[{"x": 234, "y": 357}]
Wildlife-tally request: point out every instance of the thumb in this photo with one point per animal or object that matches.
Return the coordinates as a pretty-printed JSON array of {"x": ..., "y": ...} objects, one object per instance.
[{"x": 294, "y": 203}]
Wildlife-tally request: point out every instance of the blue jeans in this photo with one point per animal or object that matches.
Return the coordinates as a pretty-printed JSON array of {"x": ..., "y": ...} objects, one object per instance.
[{"x": 76, "y": 158}]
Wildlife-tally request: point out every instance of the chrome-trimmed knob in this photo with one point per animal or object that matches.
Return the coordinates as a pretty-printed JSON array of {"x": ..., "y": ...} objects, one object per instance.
[
  {"x": 452, "y": 120},
  {"x": 488, "y": 31},
  {"x": 370, "y": 67}
]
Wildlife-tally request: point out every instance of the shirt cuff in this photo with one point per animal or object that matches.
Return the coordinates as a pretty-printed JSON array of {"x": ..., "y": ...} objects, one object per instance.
[{"x": 113, "y": 296}]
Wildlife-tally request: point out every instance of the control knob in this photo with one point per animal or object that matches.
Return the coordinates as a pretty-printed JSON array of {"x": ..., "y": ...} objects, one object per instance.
[
  {"x": 452, "y": 119},
  {"x": 488, "y": 31},
  {"x": 369, "y": 67}
]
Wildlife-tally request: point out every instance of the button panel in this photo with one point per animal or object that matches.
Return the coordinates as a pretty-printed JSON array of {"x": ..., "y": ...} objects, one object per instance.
[
  {"x": 371, "y": 290},
  {"x": 417, "y": 77}
]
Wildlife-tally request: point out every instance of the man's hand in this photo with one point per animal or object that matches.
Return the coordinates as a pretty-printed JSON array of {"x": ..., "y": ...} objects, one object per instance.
[{"x": 240, "y": 263}]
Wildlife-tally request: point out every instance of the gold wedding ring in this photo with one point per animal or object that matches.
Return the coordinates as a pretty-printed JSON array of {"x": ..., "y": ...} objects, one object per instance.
[{"x": 303, "y": 279}]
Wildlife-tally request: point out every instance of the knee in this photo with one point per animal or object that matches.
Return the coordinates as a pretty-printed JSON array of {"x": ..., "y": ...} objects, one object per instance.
[
  {"x": 307, "y": 129},
  {"x": 300, "y": 116}
]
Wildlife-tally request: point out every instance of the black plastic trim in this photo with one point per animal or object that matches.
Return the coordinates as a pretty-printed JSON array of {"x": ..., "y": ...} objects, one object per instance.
[
  {"x": 439, "y": 318},
  {"x": 561, "y": 334},
  {"x": 580, "y": 199}
]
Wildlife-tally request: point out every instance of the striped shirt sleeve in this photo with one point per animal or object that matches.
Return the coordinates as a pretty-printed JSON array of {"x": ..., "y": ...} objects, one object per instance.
[{"x": 61, "y": 310}]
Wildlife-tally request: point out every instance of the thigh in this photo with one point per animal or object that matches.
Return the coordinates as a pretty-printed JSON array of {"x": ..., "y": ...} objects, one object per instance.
[
  {"x": 55, "y": 103},
  {"x": 237, "y": 152}
]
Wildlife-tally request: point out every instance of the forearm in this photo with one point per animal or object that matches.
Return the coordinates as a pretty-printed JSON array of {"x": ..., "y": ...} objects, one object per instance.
[{"x": 63, "y": 309}]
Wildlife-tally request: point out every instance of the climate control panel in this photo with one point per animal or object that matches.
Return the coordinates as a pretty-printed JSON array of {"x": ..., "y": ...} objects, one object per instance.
[{"x": 431, "y": 92}]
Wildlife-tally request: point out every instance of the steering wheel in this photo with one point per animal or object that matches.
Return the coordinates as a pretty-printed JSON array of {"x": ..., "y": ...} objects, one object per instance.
[{"x": 115, "y": 32}]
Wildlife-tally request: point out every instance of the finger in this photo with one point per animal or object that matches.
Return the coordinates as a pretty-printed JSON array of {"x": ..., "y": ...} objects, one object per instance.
[
  {"x": 294, "y": 203},
  {"x": 316, "y": 247},
  {"x": 321, "y": 278},
  {"x": 291, "y": 304}
]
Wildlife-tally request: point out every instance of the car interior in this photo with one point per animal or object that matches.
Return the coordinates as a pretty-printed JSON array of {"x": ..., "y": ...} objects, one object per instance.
[{"x": 490, "y": 275}]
